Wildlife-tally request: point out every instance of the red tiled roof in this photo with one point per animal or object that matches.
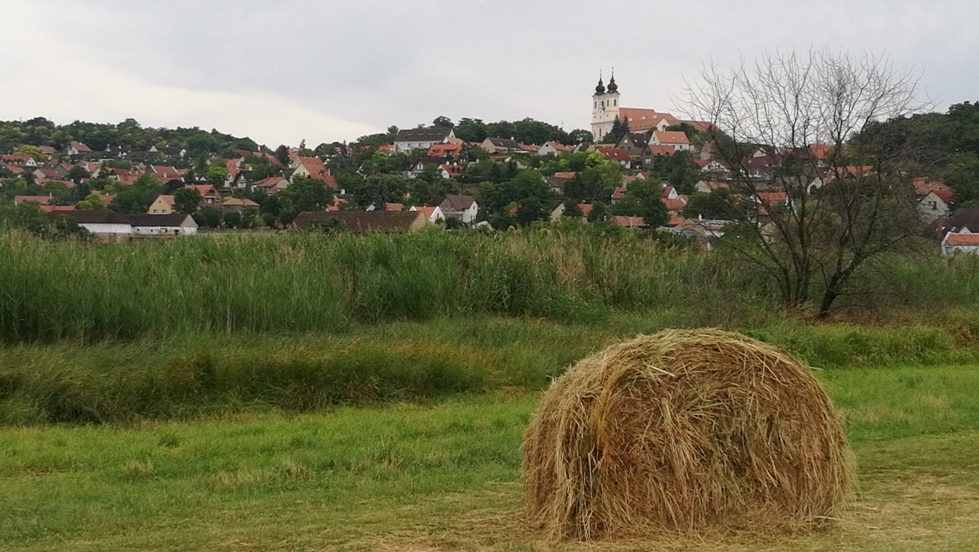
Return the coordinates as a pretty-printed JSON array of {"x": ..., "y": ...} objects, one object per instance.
[
  {"x": 453, "y": 170},
  {"x": 206, "y": 190},
  {"x": 316, "y": 170},
  {"x": 924, "y": 186},
  {"x": 772, "y": 198},
  {"x": 56, "y": 208},
  {"x": 641, "y": 120},
  {"x": 661, "y": 150},
  {"x": 962, "y": 239},
  {"x": 40, "y": 200},
  {"x": 670, "y": 137},
  {"x": 442, "y": 150},
  {"x": 628, "y": 222},
  {"x": 614, "y": 154}
]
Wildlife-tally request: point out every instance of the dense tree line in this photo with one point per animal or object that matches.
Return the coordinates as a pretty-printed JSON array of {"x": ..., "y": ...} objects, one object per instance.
[
  {"x": 944, "y": 145},
  {"x": 128, "y": 135}
]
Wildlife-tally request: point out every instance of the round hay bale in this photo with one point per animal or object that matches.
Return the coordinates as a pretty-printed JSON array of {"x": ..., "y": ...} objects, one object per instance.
[{"x": 684, "y": 431}]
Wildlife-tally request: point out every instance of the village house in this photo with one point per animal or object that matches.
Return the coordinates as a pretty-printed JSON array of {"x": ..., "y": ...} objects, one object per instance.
[
  {"x": 237, "y": 205},
  {"x": 673, "y": 138},
  {"x": 421, "y": 138},
  {"x": 554, "y": 148},
  {"x": 77, "y": 148},
  {"x": 209, "y": 195},
  {"x": 934, "y": 199},
  {"x": 460, "y": 207},
  {"x": 961, "y": 241},
  {"x": 163, "y": 225},
  {"x": 495, "y": 146},
  {"x": 270, "y": 185},
  {"x": 162, "y": 205},
  {"x": 312, "y": 167}
]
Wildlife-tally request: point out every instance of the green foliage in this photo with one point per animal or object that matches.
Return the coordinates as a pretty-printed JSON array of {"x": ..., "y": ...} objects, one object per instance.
[
  {"x": 208, "y": 217},
  {"x": 962, "y": 176},
  {"x": 186, "y": 200},
  {"x": 304, "y": 194},
  {"x": 525, "y": 131},
  {"x": 677, "y": 169},
  {"x": 92, "y": 202},
  {"x": 716, "y": 204},
  {"x": 527, "y": 189},
  {"x": 138, "y": 197},
  {"x": 216, "y": 174},
  {"x": 642, "y": 199},
  {"x": 128, "y": 135}
]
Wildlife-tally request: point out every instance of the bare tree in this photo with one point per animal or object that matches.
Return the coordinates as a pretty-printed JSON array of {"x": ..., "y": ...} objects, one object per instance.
[{"x": 817, "y": 196}]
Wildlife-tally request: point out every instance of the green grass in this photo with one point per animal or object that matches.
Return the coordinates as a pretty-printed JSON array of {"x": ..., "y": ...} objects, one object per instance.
[
  {"x": 444, "y": 475},
  {"x": 183, "y": 377}
]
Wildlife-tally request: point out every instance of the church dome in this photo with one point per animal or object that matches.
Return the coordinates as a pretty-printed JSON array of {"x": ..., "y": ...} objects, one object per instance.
[
  {"x": 600, "y": 89},
  {"x": 612, "y": 87}
]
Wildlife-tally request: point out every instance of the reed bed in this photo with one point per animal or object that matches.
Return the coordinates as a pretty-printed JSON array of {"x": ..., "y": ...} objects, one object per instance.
[{"x": 311, "y": 282}]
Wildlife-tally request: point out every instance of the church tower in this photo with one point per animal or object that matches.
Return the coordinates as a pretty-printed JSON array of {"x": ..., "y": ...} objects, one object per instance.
[{"x": 605, "y": 108}]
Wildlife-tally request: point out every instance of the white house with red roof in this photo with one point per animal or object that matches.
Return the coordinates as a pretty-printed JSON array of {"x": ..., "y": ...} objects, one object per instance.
[
  {"x": 619, "y": 155},
  {"x": 18, "y": 161},
  {"x": 961, "y": 241},
  {"x": 934, "y": 198},
  {"x": 432, "y": 213},
  {"x": 674, "y": 138},
  {"x": 554, "y": 148},
  {"x": 312, "y": 167},
  {"x": 77, "y": 148},
  {"x": 209, "y": 195}
]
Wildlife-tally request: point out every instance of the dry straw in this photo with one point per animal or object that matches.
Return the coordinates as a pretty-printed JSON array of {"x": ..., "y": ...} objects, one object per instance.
[{"x": 684, "y": 431}]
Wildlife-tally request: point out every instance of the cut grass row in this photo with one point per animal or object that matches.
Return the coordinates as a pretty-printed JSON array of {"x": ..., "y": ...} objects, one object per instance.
[{"x": 445, "y": 475}]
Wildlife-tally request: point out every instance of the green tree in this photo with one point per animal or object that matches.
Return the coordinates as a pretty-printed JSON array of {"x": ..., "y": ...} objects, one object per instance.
[
  {"x": 282, "y": 155},
  {"x": 207, "y": 217},
  {"x": 716, "y": 204},
  {"x": 216, "y": 174},
  {"x": 643, "y": 199},
  {"x": 579, "y": 136},
  {"x": 136, "y": 198},
  {"x": 962, "y": 176},
  {"x": 304, "y": 194},
  {"x": 186, "y": 200},
  {"x": 92, "y": 202},
  {"x": 443, "y": 122}
]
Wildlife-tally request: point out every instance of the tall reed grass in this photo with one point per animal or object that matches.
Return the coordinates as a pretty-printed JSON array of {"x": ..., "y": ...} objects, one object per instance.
[{"x": 312, "y": 282}]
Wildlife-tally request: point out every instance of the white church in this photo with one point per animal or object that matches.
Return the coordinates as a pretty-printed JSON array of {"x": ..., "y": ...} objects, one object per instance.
[{"x": 606, "y": 108}]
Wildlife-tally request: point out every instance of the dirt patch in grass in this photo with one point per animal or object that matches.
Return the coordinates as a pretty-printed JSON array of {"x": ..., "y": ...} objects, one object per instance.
[{"x": 919, "y": 514}]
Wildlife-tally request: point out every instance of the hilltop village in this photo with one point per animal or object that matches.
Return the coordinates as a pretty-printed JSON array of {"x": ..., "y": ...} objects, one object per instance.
[{"x": 637, "y": 169}]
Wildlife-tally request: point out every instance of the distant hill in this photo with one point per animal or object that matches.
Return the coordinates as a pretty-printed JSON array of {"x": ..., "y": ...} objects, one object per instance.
[{"x": 128, "y": 135}]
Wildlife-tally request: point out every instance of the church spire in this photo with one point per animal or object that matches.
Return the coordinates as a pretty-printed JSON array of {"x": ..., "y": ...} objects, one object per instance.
[
  {"x": 600, "y": 89},
  {"x": 612, "y": 87}
]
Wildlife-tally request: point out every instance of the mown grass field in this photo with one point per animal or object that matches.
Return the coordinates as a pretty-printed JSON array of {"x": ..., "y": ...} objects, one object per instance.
[
  {"x": 445, "y": 476},
  {"x": 308, "y": 392}
]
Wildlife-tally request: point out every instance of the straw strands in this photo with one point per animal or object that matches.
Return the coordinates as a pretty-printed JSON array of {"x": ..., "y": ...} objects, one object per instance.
[{"x": 684, "y": 431}]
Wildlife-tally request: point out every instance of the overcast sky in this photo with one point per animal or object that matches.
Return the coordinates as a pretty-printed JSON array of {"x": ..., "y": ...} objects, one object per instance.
[{"x": 289, "y": 70}]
